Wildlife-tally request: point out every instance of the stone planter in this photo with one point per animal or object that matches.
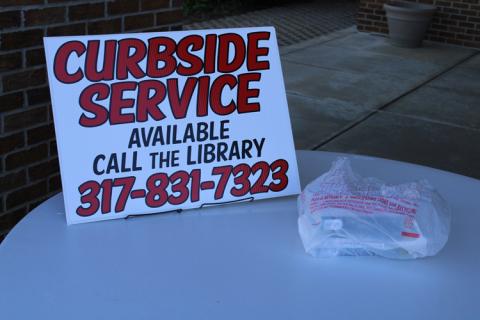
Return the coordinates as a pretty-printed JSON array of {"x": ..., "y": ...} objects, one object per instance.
[{"x": 408, "y": 22}]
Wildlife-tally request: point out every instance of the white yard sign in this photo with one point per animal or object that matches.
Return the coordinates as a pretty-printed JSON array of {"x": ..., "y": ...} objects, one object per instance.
[{"x": 154, "y": 122}]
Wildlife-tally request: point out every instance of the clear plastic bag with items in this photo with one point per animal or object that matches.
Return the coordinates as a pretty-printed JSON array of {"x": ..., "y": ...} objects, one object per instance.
[{"x": 342, "y": 213}]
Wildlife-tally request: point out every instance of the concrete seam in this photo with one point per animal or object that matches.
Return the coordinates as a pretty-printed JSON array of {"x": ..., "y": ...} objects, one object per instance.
[{"x": 386, "y": 105}]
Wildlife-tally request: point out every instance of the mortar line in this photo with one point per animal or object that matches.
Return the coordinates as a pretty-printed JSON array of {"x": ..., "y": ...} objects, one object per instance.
[{"x": 389, "y": 103}]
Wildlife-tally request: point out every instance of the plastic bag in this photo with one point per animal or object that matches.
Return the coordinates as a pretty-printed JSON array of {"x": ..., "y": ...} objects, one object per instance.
[{"x": 342, "y": 213}]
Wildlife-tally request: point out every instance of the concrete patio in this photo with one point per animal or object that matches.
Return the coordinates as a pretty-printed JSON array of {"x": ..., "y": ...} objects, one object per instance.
[{"x": 354, "y": 92}]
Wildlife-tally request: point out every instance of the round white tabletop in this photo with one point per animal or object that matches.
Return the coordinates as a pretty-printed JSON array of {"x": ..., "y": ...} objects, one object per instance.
[{"x": 241, "y": 261}]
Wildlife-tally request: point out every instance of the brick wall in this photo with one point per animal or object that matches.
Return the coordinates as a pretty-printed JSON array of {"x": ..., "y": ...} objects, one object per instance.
[
  {"x": 28, "y": 152},
  {"x": 456, "y": 22}
]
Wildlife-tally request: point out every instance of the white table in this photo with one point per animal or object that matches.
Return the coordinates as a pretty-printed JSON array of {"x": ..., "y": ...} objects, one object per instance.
[{"x": 241, "y": 261}]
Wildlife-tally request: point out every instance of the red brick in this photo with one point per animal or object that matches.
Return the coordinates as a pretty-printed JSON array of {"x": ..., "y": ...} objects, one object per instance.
[
  {"x": 140, "y": 21},
  {"x": 154, "y": 4},
  {"x": 455, "y": 29},
  {"x": 54, "y": 183},
  {"x": 25, "y": 119},
  {"x": 10, "y": 61},
  {"x": 27, "y": 194},
  {"x": 21, "y": 39},
  {"x": 12, "y": 217},
  {"x": 44, "y": 16},
  {"x": 20, "y": 2},
  {"x": 469, "y": 13},
  {"x": 61, "y": 1},
  {"x": 38, "y": 95},
  {"x": 473, "y": 19},
  {"x": 24, "y": 79},
  {"x": 177, "y": 3},
  {"x": 450, "y": 10},
  {"x": 438, "y": 27},
  {"x": 178, "y": 27},
  {"x": 43, "y": 170},
  {"x": 366, "y": 11},
  {"x": 464, "y": 37},
  {"x": 444, "y": 3},
  {"x": 77, "y": 29},
  {"x": 11, "y": 101},
  {"x": 372, "y": 29},
  {"x": 35, "y": 57},
  {"x": 365, "y": 22},
  {"x": 455, "y": 5},
  {"x": 473, "y": 31},
  {"x": 10, "y": 19},
  {"x": 122, "y": 6},
  {"x": 373, "y": 17},
  {"x": 4, "y": 224},
  {"x": 158, "y": 29},
  {"x": 169, "y": 17},
  {"x": 40, "y": 134},
  {"x": 458, "y": 17},
  {"x": 53, "y": 148},
  {"x": 25, "y": 157},
  {"x": 50, "y": 112},
  {"x": 105, "y": 26},
  {"x": 86, "y": 11},
  {"x": 448, "y": 22},
  {"x": 375, "y": 6},
  {"x": 11, "y": 142},
  {"x": 445, "y": 34},
  {"x": 466, "y": 25},
  {"x": 13, "y": 180}
]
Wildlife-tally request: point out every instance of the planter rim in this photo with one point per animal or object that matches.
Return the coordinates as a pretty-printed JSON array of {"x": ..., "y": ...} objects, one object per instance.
[{"x": 409, "y": 7}]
